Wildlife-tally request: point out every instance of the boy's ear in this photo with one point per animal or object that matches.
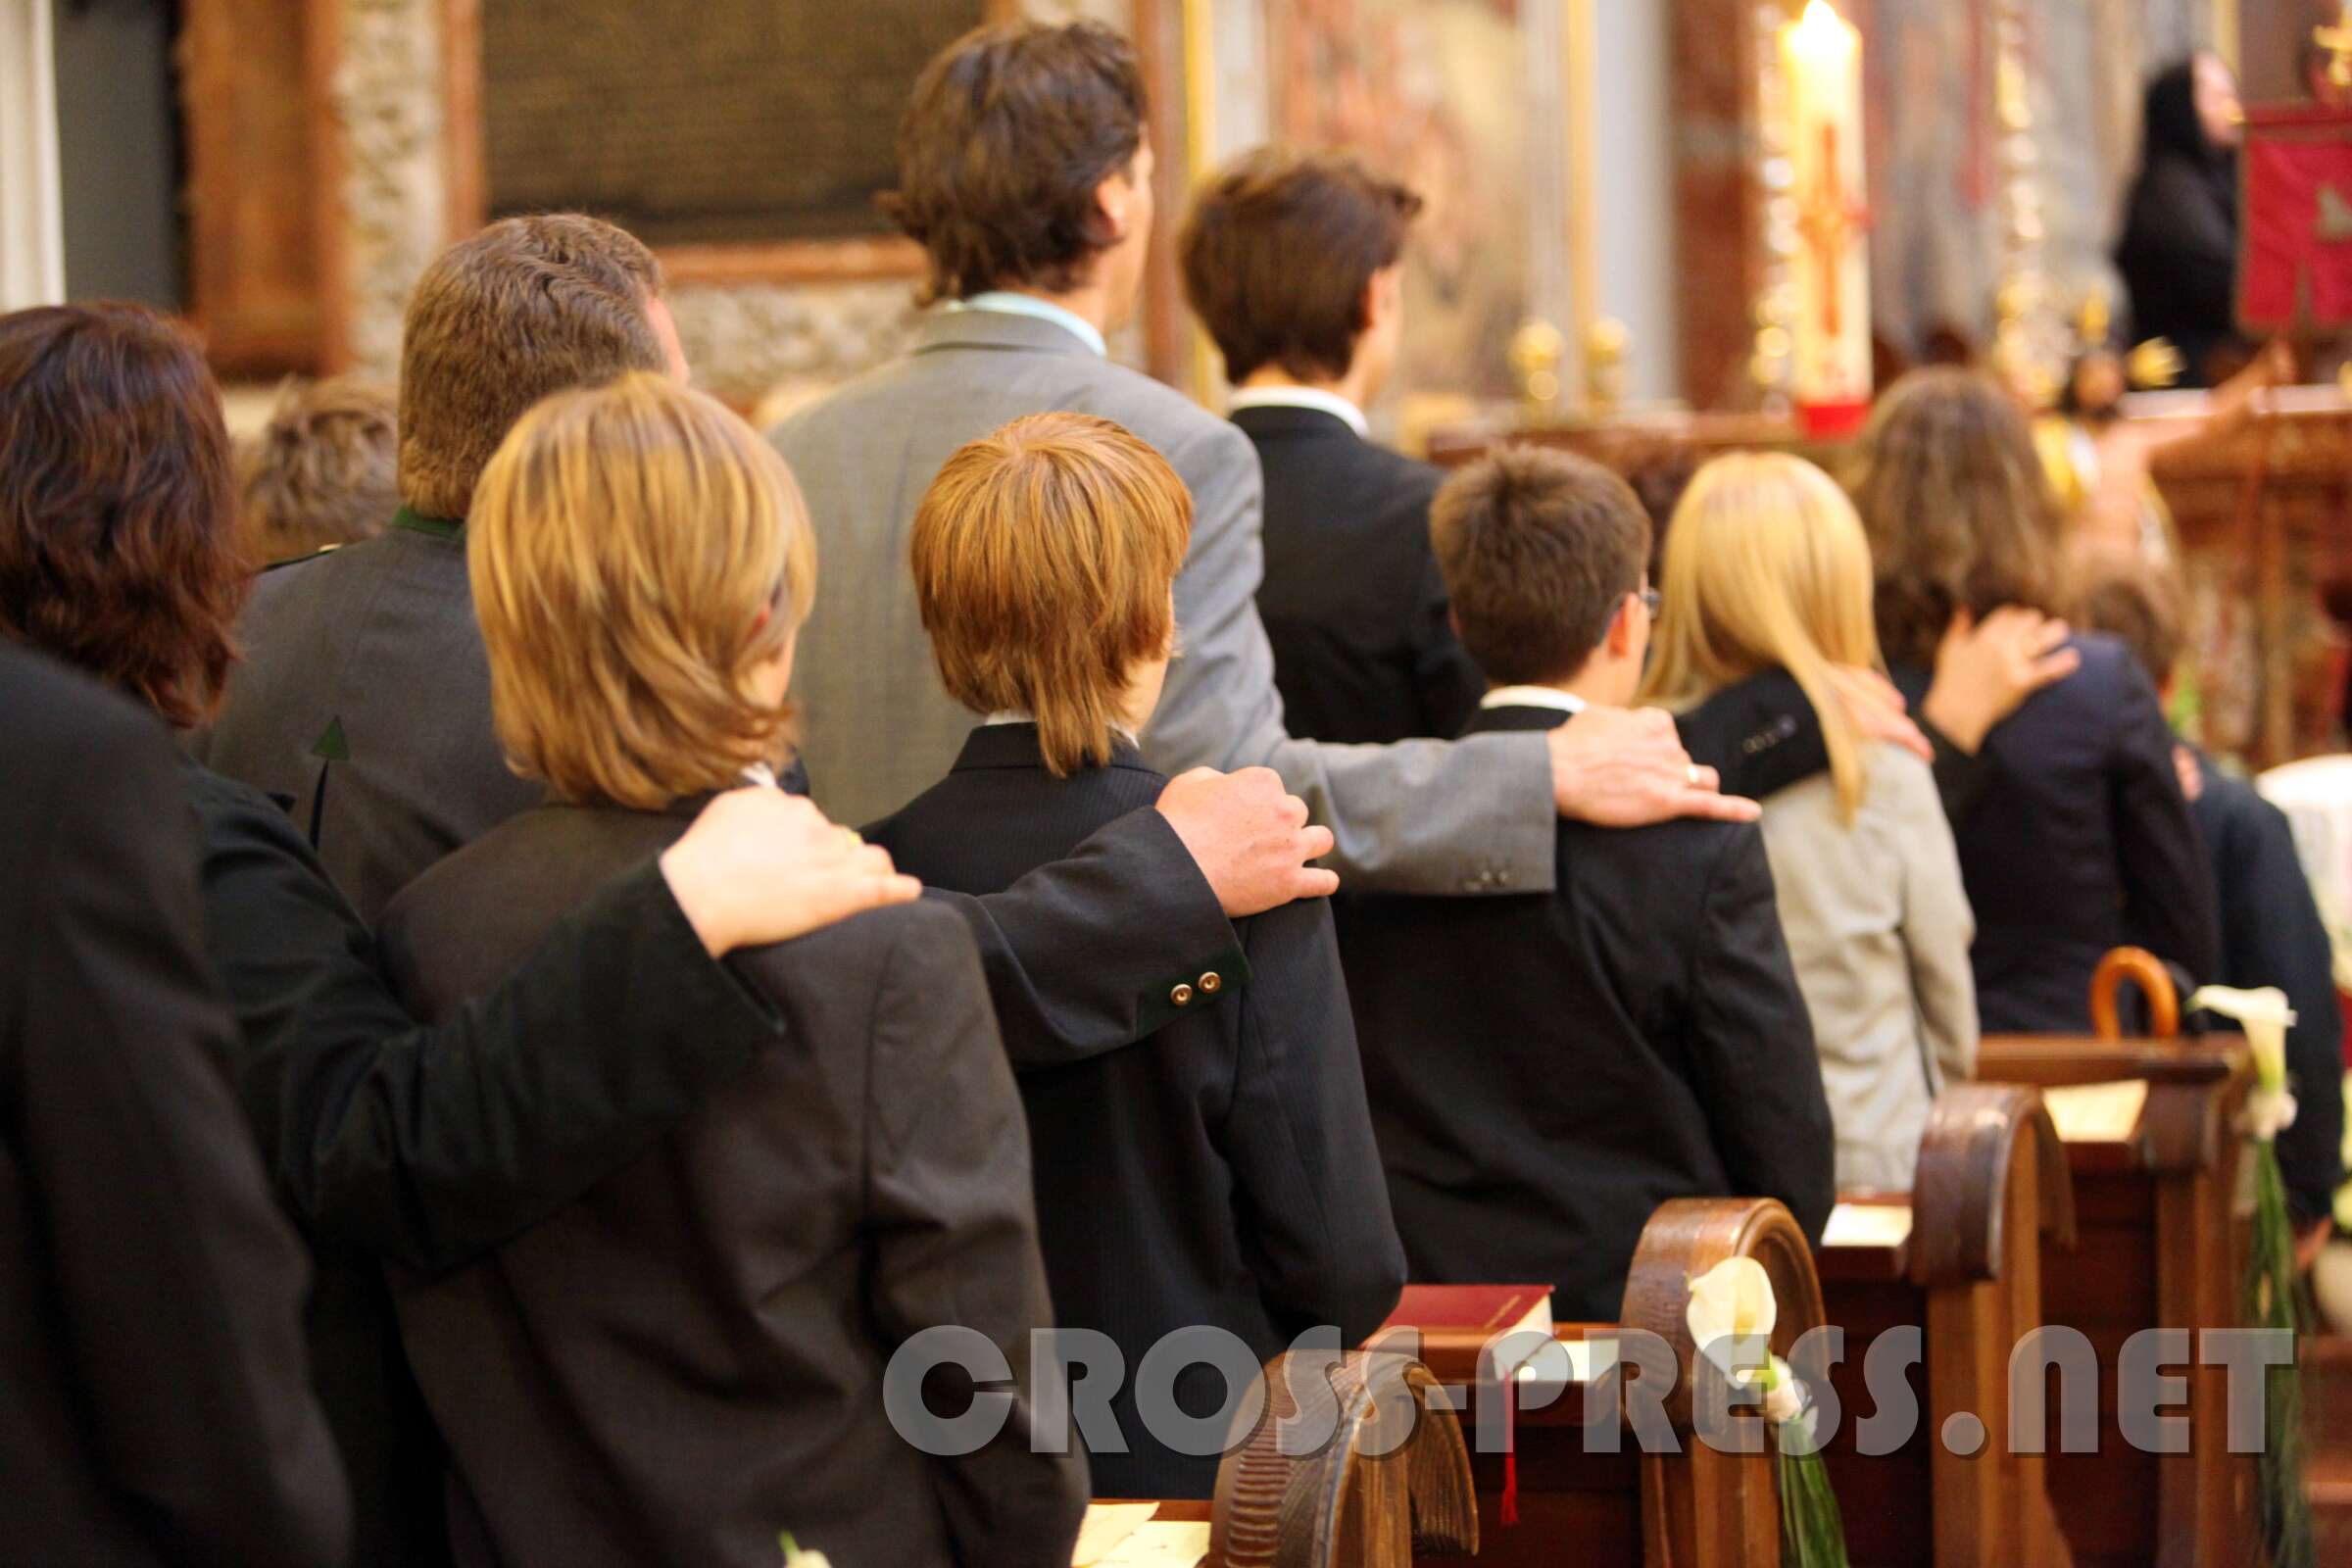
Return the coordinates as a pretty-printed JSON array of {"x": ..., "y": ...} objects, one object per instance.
[{"x": 1621, "y": 629}]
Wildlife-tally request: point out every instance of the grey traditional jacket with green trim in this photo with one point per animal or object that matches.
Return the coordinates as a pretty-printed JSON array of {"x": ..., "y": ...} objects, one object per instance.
[{"x": 363, "y": 705}]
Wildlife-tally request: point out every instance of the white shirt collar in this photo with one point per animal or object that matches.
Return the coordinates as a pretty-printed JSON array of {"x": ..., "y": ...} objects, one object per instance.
[
  {"x": 1014, "y": 715},
  {"x": 1006, "y": 302},
  {"x": 1303, "y": 397},
  {"x": 1533, "y": 697}
]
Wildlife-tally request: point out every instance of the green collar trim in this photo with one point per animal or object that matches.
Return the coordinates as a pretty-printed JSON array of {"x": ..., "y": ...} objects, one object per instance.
[{"x": 419, "y": 522}]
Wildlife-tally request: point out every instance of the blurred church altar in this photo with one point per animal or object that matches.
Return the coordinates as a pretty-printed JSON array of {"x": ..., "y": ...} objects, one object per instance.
[{"x": 1655, "y": 228}]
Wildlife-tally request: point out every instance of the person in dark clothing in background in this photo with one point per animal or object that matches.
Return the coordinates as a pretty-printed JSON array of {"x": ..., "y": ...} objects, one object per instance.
[
  {"x": 1546, "y": 1069},
  {"x": 1222, "y": 1172},
  {"x": 1294, "y": 263},
  {"x": 2079, "y": 840},
  {"x": 2271, "y": 933},
  {"x": 2179, "y": 250}
]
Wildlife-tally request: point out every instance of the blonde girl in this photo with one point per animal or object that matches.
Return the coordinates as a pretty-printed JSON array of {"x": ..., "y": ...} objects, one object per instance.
[{"x": 1767, "y": 569}]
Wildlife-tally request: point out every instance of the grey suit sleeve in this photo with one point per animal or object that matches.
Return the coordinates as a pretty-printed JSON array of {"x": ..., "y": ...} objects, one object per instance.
[
  {"x": 180, "y": 1287},
  {"x": 1308, "y": 1191},
  {"x": 1419, "y": 816},
  {"x": 955, "y": 1228},
  {"x": 1751, "y": 1039}
]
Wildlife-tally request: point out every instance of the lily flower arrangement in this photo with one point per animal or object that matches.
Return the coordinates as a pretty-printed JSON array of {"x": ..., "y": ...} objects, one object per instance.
[
  {"x": 1731, "y": 1316},
  {"x": 2270, "y": 1291}
]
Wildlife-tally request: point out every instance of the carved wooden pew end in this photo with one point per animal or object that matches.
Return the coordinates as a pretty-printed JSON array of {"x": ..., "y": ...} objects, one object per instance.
[{"x": 1340, "y": 1507}]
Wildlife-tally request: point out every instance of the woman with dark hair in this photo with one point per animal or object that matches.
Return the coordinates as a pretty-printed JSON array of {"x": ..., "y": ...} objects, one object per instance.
[
  {"x": 118, "y": 554},
  {"x": 2179, "y": 250},
  {"x": 2077, "y": 838}
]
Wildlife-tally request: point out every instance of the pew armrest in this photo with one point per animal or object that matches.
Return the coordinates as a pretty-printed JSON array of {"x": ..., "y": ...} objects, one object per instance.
[
  {"x": 1274, "y": 1509},
  {"x": 1968, "y": 1157},
  {"x": 1687, "y": 1236}
]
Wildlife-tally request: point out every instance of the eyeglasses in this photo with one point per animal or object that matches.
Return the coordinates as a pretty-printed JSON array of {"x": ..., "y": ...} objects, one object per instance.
[{"x": 1651, "y": 599}]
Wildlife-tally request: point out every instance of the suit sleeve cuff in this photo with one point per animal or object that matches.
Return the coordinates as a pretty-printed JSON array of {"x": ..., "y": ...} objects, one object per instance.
[{"x": 660, "y": 938}]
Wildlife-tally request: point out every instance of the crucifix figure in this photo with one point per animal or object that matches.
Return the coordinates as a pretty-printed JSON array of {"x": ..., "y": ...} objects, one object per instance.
[{"x": 1828, "y": 220}]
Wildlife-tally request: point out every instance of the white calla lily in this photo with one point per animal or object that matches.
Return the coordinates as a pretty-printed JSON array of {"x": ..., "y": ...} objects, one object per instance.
[
  {"x": 1731, "y": 1305},
  {"x": 2264, "y": 1017}
]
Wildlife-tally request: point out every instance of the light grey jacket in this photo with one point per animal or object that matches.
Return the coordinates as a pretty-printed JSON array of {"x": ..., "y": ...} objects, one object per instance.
[
  {"x": 1420, "y": 817},
  {"x": 1879, "y": 928}
]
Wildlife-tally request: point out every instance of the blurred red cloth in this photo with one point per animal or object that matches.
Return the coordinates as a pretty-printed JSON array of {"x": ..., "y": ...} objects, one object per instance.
[{"x": 2295, "y": 245}]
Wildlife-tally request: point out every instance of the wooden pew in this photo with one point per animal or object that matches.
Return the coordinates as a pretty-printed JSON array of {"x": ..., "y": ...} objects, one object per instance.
[
  {"x": 1338, "y": 1507},
  {"x": 1966, "y": 1269},
  {"x": 2159, "y": 1244},
  {"x": 1694, "y": 1510}
]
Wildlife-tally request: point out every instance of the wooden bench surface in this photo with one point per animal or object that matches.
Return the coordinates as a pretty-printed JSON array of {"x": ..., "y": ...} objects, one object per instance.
[{"x": 2158, "y": 1245}]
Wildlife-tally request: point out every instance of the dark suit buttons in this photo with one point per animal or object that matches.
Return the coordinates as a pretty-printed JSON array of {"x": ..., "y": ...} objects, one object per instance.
[
  {"x": 1182, "y": 996},
  {"x": 1211, "y": 983}
]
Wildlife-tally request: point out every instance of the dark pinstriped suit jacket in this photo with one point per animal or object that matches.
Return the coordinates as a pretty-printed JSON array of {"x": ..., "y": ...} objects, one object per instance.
[
  {"x": 689, "y": 1357},
  {"x": 1218, "y": 1172}
]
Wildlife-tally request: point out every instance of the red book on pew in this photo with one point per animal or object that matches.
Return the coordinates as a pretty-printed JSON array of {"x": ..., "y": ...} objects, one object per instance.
[{"x": 1457, "y": 1322}]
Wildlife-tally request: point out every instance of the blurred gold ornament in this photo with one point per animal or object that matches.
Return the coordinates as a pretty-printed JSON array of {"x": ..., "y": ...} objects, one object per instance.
[
  {"x": 2095, "y": 320},
  {"x": 1607, "y": 346},
  {"x": 2152, "y": 365},
  {"x": 1535, "y": 352}
]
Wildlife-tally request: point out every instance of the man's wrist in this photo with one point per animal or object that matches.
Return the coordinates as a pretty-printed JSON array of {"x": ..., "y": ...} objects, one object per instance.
[{"x": 709, "y": 924}]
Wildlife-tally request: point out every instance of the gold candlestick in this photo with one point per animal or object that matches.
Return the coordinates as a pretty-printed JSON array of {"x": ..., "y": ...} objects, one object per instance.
[{"x": 1535, "y": 352}]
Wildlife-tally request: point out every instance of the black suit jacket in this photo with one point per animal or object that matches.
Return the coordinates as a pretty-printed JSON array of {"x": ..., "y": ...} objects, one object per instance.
[
  {"x": 2071, "y": 831},
  {"x": 1351, "y": 598},
  {"x": 2079, "y": 842},
  {"x": 689, "y": 1357},
  {"x": 1221, "y": 1172},
  {"x": 1546, "y": 1069},
  {"x": 429, "y": 1145},
  {"x": 151, "y": 1357},
  {"x": 2272, "y": 934},
  {"x": 1762, "y": 735}
]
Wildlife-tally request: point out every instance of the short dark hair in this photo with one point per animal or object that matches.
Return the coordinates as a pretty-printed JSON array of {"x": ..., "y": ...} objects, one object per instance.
[
  {"x": 526, "y": 307},
  {"x": 1010, "y": 130},
  {"x": 118, "y": 519},
  {"x": 1278, "y": 250},
  {"x": 1537, "y": 547},
  {"x": 2137, "y": 603}
]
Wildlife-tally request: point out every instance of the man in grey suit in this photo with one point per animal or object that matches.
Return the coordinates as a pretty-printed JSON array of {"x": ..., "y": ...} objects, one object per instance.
[
  {"x": 362, "y": 705},
  {"x": 1025, "y": 174}
]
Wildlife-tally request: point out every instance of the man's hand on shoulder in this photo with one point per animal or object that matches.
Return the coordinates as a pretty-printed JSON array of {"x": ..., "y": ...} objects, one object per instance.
[
  {"x": 760, "y": 866},
  {"x": 1626, "y": 767},
  {"x": 1249, "y": 837}
]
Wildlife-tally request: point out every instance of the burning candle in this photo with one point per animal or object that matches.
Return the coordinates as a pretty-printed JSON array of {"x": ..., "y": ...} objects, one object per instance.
[{"x": 1821, "y": 65}]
